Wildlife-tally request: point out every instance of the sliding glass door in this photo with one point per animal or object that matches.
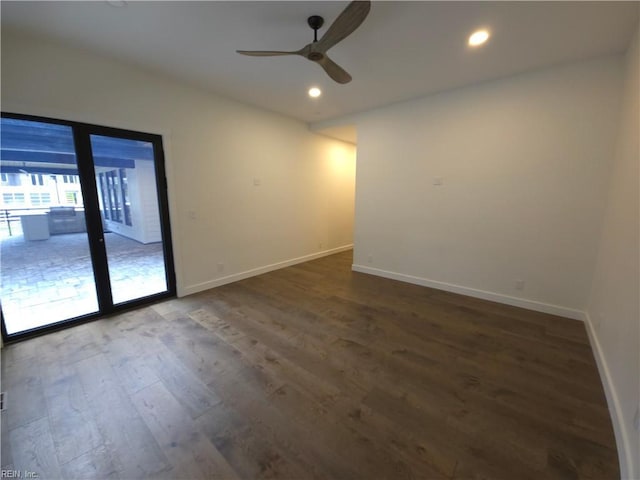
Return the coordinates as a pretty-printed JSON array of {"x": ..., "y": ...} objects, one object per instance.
[
  {"x": 84, "y": 226},
  {"x": 125, "y": 171},
  {"x": 47, "y": 273}
]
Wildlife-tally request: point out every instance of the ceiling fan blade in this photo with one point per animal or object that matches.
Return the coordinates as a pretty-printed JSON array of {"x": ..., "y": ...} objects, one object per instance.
[
  {"x": 265, "y": 53},
  {"x": 335, "y": 71},
  {"x": 346, "y": 23}
]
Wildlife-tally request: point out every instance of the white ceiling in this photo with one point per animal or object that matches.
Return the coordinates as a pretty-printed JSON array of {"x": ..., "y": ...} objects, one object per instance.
[{"x": 402, "y": 50}]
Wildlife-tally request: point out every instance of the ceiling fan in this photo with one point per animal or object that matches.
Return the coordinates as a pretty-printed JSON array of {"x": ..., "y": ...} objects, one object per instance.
[{"x": 316, "y": 51}]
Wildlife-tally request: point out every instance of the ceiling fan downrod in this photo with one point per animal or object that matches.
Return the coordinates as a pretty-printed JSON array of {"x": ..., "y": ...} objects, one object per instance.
[{"x": 315, "y": 22}]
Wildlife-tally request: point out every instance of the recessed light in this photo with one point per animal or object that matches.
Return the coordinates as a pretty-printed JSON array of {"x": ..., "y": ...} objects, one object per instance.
[
  {"x": 117, "y": 3},
  {"x": 315, "y": 92},
  {"x": 478, "y": 38}
]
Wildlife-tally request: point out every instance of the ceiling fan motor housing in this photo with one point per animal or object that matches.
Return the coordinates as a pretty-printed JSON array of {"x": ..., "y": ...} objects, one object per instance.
[
  {"x": 315, "y": 21},
  {"x": 315, "y": 56}
]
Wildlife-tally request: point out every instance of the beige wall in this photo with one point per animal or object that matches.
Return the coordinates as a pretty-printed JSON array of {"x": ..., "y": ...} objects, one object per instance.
[
  {"x": 214, "y": 149},
  {"x": 524, "y": 163},
  {"x": 614, "y": 306}
]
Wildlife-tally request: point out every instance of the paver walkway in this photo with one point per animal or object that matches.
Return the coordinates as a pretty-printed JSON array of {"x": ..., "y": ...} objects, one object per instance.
[{"x": 52, "y": 280}]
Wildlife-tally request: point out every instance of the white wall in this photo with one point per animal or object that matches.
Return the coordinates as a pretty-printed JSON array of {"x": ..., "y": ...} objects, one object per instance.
[
  {"x": 145, "y": 214},
  {"x": 214, "y": 148},
  {"x": 524, "y": 163},
  {"x": 144, "y": 192},
  {"x": 614, "y": 310}
]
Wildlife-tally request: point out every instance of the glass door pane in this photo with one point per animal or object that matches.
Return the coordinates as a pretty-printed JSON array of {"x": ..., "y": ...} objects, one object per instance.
[
  {"x": 46, "y": 269},
  {"x": 128, "y": 197}
]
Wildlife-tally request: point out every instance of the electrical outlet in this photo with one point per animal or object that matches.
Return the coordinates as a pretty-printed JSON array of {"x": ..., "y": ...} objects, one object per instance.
[
  {"x": 221, "y": 267},
  {"x": 519, "y": 284},
  {"x": 320, "y": 245},
  {"x": 369, "y": 258},
  {"x": 257, "y": 182}
]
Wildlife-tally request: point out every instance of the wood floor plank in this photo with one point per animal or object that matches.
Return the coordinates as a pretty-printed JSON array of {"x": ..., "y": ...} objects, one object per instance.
[
  {"x": 6, "y": 456},
  {"x": 291, "y": 399},
  {"x": 118, "y": 421},
  {"x": 146, "y": 361},
  {"x": 192, "y": 393},
  {"x": 253, "y": 447},
  {"x": 189, "y": 452},
  {"x": 69, "y": 413},
  {"x": 128, "y": 363},
  {"x": 296, "y": 345},
  {"x": 33, "y": 450},
  {"x": 69, "y": 346},
  {"x": 312, "y": 372},
  {"x": 398, "y": 374},
  {"x": 96, "y": 463},
  {"x": 248, "y": 389},
  {"x": 24, "y": 397}
]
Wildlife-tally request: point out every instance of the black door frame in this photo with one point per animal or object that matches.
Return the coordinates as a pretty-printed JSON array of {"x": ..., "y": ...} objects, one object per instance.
[{"x": 84, "y": 158}]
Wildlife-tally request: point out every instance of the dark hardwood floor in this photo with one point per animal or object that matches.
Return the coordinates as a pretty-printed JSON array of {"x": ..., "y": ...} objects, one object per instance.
[{"x": 306, "y": 373}]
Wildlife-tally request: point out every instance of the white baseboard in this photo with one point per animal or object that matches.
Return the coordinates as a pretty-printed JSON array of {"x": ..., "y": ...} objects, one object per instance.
[
  {"x": 619, "y": 429},
  {"x": 217, "y": 282},
  {"x": 472, "y": 292}
]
